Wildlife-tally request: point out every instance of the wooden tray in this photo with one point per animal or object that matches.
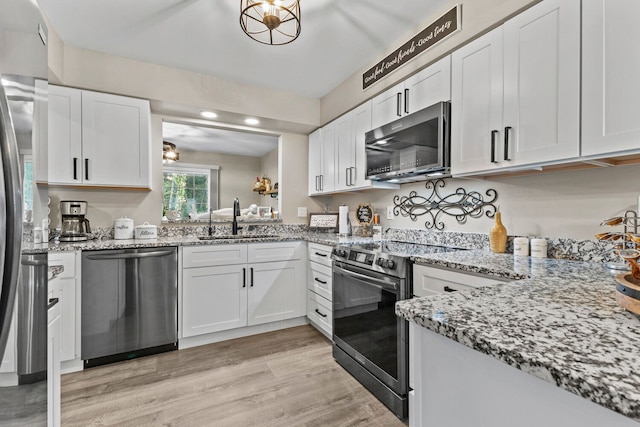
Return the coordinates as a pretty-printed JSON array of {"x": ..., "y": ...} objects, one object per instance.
[{"x": 628, "y": 292}]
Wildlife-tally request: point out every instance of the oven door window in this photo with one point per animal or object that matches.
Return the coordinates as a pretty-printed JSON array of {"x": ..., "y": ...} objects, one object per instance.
[{"x": 365, "y": 319}]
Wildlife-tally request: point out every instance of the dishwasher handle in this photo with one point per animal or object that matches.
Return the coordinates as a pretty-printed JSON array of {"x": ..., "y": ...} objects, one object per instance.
[{"x": 134, "y": 255}]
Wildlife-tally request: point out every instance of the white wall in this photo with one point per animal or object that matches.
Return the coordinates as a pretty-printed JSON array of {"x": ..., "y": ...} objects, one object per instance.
[{"x": 561, "y": 204}]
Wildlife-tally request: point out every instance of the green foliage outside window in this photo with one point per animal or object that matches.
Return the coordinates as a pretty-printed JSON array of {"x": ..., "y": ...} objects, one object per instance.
[{"x": 184, "y": 189}]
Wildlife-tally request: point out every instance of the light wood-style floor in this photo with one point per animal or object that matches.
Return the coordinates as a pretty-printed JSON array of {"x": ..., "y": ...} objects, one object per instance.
[{"x": 284, "y": 378}]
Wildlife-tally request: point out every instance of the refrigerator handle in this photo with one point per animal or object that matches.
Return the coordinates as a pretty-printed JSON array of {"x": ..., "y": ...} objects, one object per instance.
[{"x": 11, "y": 228}]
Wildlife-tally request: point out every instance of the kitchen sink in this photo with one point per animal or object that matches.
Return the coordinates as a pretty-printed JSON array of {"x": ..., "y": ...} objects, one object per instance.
[{"x": 238, "y": 236}]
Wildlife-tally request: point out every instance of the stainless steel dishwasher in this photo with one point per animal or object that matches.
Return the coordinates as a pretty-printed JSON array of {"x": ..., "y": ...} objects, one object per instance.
[{"x": 129, "y": 304}]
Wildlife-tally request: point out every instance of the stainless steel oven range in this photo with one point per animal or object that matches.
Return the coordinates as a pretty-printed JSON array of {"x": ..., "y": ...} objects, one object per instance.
[{"x": 370, "y": 341}]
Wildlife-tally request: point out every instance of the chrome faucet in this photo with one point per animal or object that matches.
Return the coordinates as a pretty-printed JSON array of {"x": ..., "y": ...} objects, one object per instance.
[{"x": 236, "y": 214}]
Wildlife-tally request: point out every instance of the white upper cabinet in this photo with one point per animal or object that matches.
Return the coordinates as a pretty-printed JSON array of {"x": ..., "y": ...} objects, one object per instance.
[
  {"x": 327, "y": 178},
  {"x": 315, "y": 161},
  {"x": 533, "y": 115},
  {"x": 115, "y": 140},
  {"x": 610, "y": 72},
  {"x": 427, "y": 87},
  {"x": 361, "y": 125},
  {"x": 98, "y": 139},
  {"x": 345, "y": 151},
  {"x": 65, "y": 135}
]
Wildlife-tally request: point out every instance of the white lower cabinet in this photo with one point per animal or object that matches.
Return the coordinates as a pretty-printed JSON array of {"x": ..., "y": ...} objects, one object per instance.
[
  {"x": 54, "y": 323},
  {"x": 66, "y": 287},
  {"x": 242, "y": 292},
  {"x": 320, "y": 288}
]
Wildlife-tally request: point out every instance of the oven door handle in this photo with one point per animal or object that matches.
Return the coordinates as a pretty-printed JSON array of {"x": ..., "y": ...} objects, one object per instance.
[{"x": 368, "y": 280}]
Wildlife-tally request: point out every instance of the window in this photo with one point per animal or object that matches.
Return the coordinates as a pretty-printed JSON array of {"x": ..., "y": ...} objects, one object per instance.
[{"x": 189, "y": 189}]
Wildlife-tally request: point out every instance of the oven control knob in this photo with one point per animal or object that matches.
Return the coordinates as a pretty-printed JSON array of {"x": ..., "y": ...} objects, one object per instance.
[
  {"x": 379, "y": 262},
  {"x": 342, "y": 253},
  {"x": 391, "y": 264}
]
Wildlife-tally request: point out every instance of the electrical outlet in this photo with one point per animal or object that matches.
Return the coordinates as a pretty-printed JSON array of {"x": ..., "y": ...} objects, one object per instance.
[
  {"x": 389, "y": 212},
  {"x": 302, "y": 212}
]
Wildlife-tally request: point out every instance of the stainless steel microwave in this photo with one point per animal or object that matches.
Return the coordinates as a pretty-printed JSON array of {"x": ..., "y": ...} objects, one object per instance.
[{"x": 412, "y": 148}]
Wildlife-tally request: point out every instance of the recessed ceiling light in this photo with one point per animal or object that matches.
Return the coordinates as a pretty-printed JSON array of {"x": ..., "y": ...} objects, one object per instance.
[
  {"x": 208, "y": 114},
  {"x": 252, "y": 121}
]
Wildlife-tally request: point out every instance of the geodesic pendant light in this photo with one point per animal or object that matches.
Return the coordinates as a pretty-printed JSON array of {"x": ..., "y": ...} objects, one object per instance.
[{"x": 271, "y": 22}]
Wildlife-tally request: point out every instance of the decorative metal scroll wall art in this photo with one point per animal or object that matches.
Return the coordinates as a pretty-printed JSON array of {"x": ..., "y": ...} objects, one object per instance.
[{"x": 460, "y": 205}]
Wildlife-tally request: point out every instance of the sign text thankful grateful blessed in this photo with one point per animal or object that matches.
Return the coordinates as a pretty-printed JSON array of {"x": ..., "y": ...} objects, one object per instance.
[{"x": 441, "y": 28}]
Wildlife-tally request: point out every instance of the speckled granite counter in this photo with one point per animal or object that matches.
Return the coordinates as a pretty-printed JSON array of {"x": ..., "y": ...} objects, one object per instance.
[{"x": 561, "y": 323}]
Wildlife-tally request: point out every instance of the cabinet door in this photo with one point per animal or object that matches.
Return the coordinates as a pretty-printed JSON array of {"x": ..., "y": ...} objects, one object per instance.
[
  {"x": 213, "y": 299},
  {"x": 65, "y": 290},
  {"x": 315, "y": 161},
  {"x": 116, "y": 140},
  {"x": 361, "y": 125},
  {"x": 387, "y": 106},
  {"x": 327, "y": 177},
  {"x": 429, "y": 281},
  {"x": 429, "y": 86},
  {"x": 344, "y": 149},
  {"x": 65, "y": 135},
  {"x": 542, "y": 84},
  {"x": 610, "y": 70},
  {"x": 277, "y": 291},
  {"x": 476, "y": 103},
  {"x": 53, "y": 366}
]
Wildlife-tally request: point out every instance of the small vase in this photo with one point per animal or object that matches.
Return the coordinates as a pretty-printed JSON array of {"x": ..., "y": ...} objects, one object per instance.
[{"x": 498, "y": 236}]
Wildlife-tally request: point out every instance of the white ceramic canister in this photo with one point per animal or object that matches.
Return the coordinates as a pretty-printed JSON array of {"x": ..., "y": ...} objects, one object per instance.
[
  {"x": 539, "y": 248},
  {"x": 37, "y": 234},
  {"x": 146, "y": 231},
  {"x": 123, "y": 228},
  {"x": 521, "y": 246}
]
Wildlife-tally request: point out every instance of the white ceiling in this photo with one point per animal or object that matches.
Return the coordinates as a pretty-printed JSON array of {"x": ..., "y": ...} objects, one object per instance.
[
  {"x": 338, "y": 37},
  {"x": 216, "y": 140}
]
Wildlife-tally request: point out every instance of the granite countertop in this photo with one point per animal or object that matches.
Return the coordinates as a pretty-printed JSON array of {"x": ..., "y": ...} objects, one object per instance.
[
  {"x": 560, "y": 323},
  {"x": 104, "y": 244}
]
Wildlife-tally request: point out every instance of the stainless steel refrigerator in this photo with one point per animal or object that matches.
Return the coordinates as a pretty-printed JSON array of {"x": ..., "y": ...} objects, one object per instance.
[{"x": 24, "y": 379}]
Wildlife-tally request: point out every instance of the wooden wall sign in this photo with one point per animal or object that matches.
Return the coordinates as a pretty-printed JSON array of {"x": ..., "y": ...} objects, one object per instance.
[{"x": 439, "y": 30}]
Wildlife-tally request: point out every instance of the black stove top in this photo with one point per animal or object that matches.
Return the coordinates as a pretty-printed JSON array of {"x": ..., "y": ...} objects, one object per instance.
[{"x": 386, "y": 257}]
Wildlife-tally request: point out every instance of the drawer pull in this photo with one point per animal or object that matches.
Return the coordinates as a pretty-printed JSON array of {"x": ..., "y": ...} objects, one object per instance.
[
  {"x": 320, "y": 281},
  {"x": 322, "y": 255},
  {"x": 448, "y": 289},
  {"x": 320, "y": 313}
]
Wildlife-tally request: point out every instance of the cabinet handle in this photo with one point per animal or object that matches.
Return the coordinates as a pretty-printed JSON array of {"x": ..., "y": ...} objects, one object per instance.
[
  {"x": 506, "y": 143},
  {"x": 321, "y": 182},
  {"x": 398, "y": 102},
  {"x": 251, "y": 271},
  {"x": 322, "y": 255},
  {"x": 448, "y": 289},
  {"x": 317, "y": 187},
  {"x": 351, "y": 173},
  {"x": 493, "y": 146},
  {"x": 75, "y": 168},
  {"x": 346, "y": 176},
  {"x": 320, "y": 281},
  {"x": 321, "y": 314},
  {"x": 86, "y": 169},
  {"x": 406, "y": 101},
  {"x": 244, "y": 277}
]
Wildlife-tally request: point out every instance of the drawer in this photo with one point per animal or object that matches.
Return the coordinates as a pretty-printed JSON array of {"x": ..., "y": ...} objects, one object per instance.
[
  {"x": 320, "y": 254},
  {"x": 65, "y": 259},
  {"x": 213, "y": 255},
  {"x": 432, "y": 281},
  {"x": 280, "y": 251},
  {"x": 319, "y": 311},
  {"x": 321, "y": 280}
]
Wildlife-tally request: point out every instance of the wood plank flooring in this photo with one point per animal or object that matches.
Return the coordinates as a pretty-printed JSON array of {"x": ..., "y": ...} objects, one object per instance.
[{"x": 282, "y": 378}]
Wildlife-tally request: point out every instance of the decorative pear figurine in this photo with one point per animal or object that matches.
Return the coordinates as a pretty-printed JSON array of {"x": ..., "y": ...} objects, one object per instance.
[{"x": 498, "y": 235}]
